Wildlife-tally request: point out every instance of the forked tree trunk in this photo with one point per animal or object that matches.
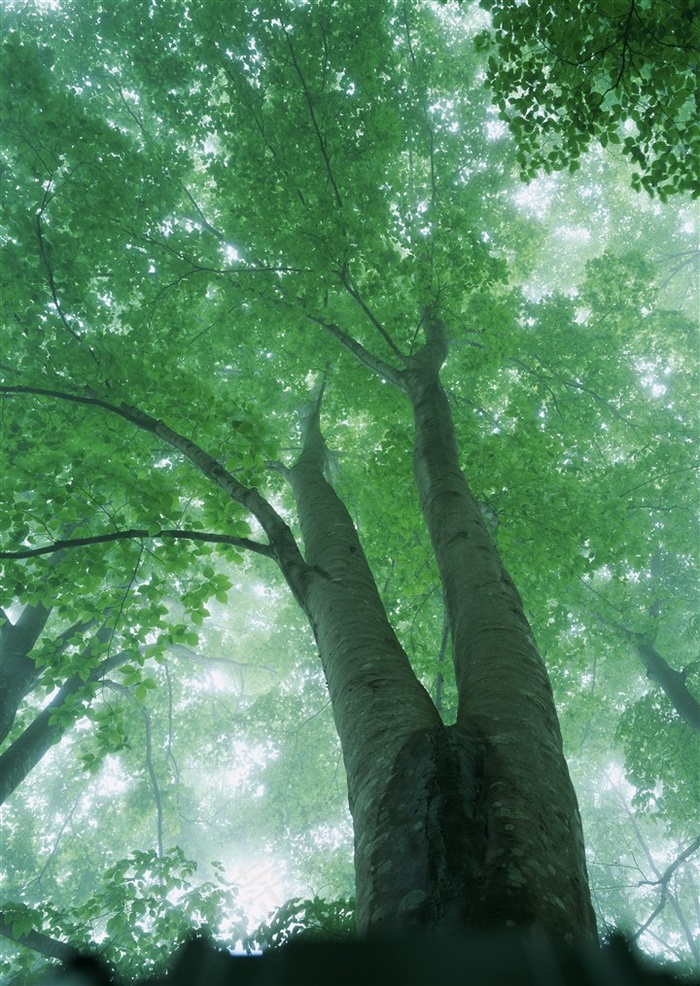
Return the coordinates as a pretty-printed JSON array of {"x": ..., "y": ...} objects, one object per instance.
[{"x": 469, "y": 826}]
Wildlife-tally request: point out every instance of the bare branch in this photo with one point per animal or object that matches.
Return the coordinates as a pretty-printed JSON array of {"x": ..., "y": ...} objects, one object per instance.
[
  {"x": 142, "y": 534},
  {"x": 663, "y": 882}
]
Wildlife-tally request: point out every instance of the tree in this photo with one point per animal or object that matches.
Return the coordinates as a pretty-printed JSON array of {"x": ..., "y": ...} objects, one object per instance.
[
  {"x": 223, "y": 232},
  {"x": 622, "y": 73}
]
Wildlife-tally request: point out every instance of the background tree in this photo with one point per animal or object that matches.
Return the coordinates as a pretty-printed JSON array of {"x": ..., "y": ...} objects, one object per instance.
[{"x": 211, "y": 216}]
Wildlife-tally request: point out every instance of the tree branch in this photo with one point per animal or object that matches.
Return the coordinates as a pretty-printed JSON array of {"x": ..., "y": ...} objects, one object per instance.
[
  {"x": 371, "y": 361},
  {"x": 31, "y": 745},
  {"x": 39, "y": 942},
  {"x": 154, "y": 780},
  {"x": 314, "y": 122},
  {"x": 356, "y": 296},
  {"x": 261, "y": 549},
  {"x": 671, "y": 682},
  {"x": 283, "y": 546},
  {"x": 663, "y": 882}
]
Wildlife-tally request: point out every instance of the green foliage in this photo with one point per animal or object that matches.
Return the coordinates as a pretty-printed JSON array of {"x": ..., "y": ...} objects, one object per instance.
[
  {"x": 621, "y": 72},
  {"x": 314, "y": 919},
  {"x": 190, "y": 193},
  {"x": 146, "y": 906},
  {"x": 661, "y": 755}
]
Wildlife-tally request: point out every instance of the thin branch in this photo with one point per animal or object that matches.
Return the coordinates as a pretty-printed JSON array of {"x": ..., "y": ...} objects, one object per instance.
[
  {"x": 136, "y": 117},
  {"x": 371, "y": 361},
  {"x": 124, "y": 690},
  {"x": 142, "y": 534},
  {"x": 548, "y": 375},
  {"x": 314, "y": 121},
  {"x": 205, "y": 222},
  {"x": 52, "y": 281},
  {"x": 154, "y": 780},
  {"x": 169, "y": 750},
  {"x": 426, "y": 114},
  {"x": 52, "y": 284},
  {"x": 655, "y": 479},
  {"x": 663, "y": 880},
  {"x": 356, "y": 296}
]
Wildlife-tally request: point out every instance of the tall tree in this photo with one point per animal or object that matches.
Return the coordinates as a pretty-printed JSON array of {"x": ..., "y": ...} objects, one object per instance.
[{"x": 229, "y": 224}]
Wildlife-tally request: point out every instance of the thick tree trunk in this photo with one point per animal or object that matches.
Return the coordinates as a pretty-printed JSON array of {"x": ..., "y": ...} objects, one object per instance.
[
  {"x": 532, "y": 871},
  {"x": 379, "y": 706},
  {"x": 456, "y": 827}
]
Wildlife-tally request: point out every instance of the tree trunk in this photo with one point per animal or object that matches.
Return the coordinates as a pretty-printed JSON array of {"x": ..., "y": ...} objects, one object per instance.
[
  {"x": 378, "y": 704},
  {"x": 470, "y": 826},
  {"x": 18, "y": 671},
  {"x": 533, "y": 870},
  {"x": 40, "y": 735}
]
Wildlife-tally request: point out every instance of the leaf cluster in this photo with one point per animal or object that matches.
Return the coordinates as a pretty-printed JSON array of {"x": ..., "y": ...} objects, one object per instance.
[{"x": 622, "y": 73}]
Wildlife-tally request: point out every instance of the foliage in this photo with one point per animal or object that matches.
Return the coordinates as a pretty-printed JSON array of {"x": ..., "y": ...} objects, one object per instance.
[
  {"x": 144, "y": 908},
  {"x": 193, "y": 199},
  {"x": 621, "y": 72},
  {"x": 308, "y": 920}
]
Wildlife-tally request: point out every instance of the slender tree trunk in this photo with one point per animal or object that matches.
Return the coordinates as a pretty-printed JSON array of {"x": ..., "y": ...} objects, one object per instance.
[
  {"x": 18, "y": 671},
  {"x": 456, "y": 827},
  {"x": 40, "y": 735}
]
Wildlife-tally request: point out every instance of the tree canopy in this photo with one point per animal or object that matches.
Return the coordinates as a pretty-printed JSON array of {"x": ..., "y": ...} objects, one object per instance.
[
  {"x": 620, "y": 72},
  {"x": 211, "y": 213}
]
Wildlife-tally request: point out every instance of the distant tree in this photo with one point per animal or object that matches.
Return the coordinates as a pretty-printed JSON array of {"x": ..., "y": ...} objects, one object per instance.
[{"x": 623, "y": 72}]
